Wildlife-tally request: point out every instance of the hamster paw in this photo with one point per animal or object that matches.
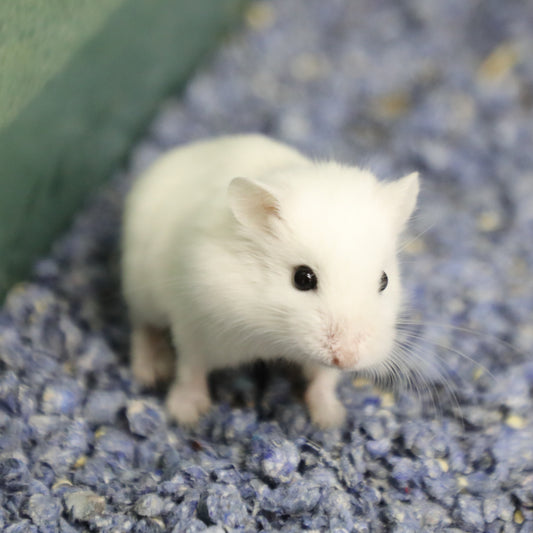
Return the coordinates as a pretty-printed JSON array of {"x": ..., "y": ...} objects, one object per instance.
[
  {"x": 325, "y": 408},
  {"x": 152, "y": 357},
  {"x": 150, "y": 373},
  {"x": 186, "y": 402}
]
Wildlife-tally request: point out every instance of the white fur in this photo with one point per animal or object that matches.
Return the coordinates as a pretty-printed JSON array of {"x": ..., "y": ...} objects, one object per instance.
[{"x": 212, "y": 258}]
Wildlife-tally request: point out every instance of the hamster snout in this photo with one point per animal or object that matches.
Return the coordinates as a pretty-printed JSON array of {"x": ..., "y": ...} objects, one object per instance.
[
  {"x": 344, "y": 347},
  {"x": 344, "y": 360}
]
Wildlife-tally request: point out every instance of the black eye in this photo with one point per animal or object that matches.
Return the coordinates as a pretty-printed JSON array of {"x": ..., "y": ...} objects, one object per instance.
[
  {"x": 304, "y": 278},
  {"x": 383, "y": 282}
]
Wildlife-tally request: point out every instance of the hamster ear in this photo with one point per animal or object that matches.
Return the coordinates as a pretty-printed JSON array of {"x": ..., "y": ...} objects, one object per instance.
[
  {"x": 252, "y": 204},
  {"x": 403, "y": 194}
]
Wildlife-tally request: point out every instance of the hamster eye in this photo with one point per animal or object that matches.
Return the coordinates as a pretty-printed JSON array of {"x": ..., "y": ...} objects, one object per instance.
[
  {"x": 383, "y": 282},
  {"x": 304, "y": 278}
]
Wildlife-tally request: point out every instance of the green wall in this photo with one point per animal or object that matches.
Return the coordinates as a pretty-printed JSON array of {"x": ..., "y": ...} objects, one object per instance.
[{"x": 80, "y": 79}]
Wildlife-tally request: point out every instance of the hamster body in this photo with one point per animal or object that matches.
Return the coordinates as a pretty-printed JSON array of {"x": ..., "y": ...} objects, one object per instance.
[{"x": 244, "y": 249}]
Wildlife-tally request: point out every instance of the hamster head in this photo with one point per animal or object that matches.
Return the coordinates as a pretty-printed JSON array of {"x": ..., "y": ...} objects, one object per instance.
[{"x": 322, "y": 244}]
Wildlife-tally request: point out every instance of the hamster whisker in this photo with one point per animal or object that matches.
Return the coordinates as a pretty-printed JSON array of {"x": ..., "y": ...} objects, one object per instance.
[
  {"x": 468, "y": 358},
  {"x": 436, "y": 366},
  {"x": 411, "y": 368},
  {"x": 463, "y": 329},
  {"x": 405, "y": 244},
  {"x": 417, "y": 380}
]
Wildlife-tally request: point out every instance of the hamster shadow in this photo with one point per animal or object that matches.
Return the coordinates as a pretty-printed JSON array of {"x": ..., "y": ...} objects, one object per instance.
[{"x": 261, "y": 385}]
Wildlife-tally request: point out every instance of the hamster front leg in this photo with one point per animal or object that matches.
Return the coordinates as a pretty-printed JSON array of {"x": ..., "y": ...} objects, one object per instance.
[
  {"x": 325, "y": 408},
  {"x": 152, "y": 356},
  {"x": 188, "y": 396}
]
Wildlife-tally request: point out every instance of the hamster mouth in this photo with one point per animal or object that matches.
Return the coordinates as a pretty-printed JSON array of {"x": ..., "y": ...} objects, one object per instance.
[
  {"x": 343, "y": 363},
  {"x": 334, "y": 360},
  {"x": 341, "y": 349}
]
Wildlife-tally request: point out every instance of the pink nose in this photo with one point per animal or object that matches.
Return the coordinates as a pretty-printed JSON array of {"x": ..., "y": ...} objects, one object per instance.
[{"x": 343, "y": 359}]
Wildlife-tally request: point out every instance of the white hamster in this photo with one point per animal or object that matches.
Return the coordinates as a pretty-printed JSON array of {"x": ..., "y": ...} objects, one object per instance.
[{"x": 244, "y": 249}]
